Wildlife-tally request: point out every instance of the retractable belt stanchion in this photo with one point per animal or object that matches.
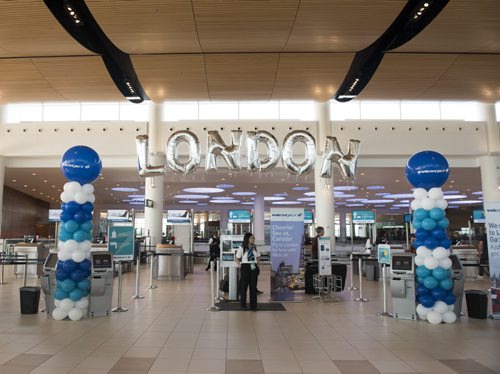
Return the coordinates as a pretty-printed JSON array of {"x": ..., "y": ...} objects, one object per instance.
[
  {"x": 385, "y": 313},
  {"x": 3, "y": 269},
  {"x": 25, "y": 269},
  {"x": 137, "y": 278},
  {"x": 119, "y": 307},
  {"x": 151, "y": 286},
  {"x": 212, "y": 307},
  {"x": 360, "y": 265},
  {"x": 217, "y": 272},
  {"x": 351, "y": 288}
]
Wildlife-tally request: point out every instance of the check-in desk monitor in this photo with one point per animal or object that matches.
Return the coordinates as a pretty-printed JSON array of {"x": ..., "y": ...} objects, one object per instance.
[
  {"x": 101, "y": 284},
  {"x": 458, "y": 283},
  {"x": 48, "y": 281},
  {"x": 403, "y": 286}
]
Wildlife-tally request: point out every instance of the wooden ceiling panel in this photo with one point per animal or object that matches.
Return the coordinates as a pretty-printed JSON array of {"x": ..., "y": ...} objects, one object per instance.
[
  {"x": 148, "y": 26},
  {"x": 314, "y": 76},
  {"x": 241, "y": 76},
  {"x": 341, "y": 26},
  {"x": 408, "y": 66},
  {"x": 172, "y": 77},
  {"x": 244, "y": 25},
  {"x": 462, "y": 26},
  {"x": 27, "y": 29}
]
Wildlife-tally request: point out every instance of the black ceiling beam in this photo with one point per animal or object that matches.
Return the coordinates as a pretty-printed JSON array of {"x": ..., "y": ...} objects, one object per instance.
[
  {"x": 77, "y": 20},
  {"x": 415, "y": 17}
]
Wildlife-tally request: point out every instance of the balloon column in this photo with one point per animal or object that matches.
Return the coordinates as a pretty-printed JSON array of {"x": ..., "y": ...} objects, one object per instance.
[
  {"x": 427, "y": 171},
  {"x": 81, "y": 165}
]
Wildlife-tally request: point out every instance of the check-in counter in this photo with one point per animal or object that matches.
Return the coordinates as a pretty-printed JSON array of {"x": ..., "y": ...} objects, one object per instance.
[
  {"x": 99, "y": 247},
  {"x": 469, "y": 257},
  {"x": 35, "y": 251},
  {"x": 170, "y": 262}
]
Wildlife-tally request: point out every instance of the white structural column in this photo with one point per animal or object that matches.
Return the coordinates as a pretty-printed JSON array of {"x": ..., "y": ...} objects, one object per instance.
[
  {"x": 2, "y": 180},
  {"x": 323, "y": 187},
  {"x": 223, "y": 220},
  {"x": 258, "y": 219},
  {"x": 490, "y": 163},
  {"x": 154, "y": 185},
  {"x": 343, "y": 225}
]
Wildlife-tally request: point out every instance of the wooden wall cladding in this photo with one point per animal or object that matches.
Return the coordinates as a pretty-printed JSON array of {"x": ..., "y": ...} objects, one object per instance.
[{"x": 23, "y": 215}]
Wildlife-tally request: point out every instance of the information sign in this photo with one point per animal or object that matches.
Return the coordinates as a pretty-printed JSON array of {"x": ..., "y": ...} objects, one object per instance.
[
  {"x": 324, "y": 255},
  {"x": 239, "y": 216},
  {"x": 384, "y": 254},
  {"x": 121, "y": 242},
  {"x": 363, "y": 216}
]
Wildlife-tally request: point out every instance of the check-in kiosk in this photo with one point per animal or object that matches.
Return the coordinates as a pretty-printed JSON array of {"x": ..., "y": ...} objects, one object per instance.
[
  {"x": 403, "y": 286},
  {"x": 229, "y": 247},
  {"x": 48, "y": 281},
  {"x": 458, "y": 283},
  {"x": 101, "y": 284}
]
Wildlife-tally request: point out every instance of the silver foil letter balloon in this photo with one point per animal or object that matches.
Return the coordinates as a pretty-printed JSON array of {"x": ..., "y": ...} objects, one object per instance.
[
  {"x": 230, "y": 153},
  {"x": 299, "y": 136},
  {"x": 273, "y": 151},
  {"x": 145, "y": 168},
  {"x": 173, "y": 160},
  {"x": 345, "y": 162}
]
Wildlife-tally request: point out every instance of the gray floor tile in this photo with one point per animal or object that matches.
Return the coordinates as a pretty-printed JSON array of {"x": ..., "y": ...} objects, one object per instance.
[
  {"x": 244, "y": 366},
  {"x": 466, "y": 366},
  {"x": 356, "y": 367}
]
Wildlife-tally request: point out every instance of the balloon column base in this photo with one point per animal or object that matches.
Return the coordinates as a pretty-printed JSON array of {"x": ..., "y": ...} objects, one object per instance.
[
  {"x": 385, "y": 314},
  {"x": 119, "y": 309}
]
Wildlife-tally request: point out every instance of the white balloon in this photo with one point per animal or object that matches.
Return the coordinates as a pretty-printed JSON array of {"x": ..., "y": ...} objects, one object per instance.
[
  {"x": 64, "y": 255},
  {"x": 449, "y": 317},
  {"x": 419, "y": 260},
  {"x": 436, "y": 193},
  {"x": 82, "y": 303},
  {"x": 87, "y": 254},
  {"x": 431, "y": 263},
  {"x": 79, "y": 256},
  {"x": 428, "y": 204},
  {"x": 422, "y": 311},
  {"x": 440, "y": 307},
  {"x": 441, "y": 253},
  {"x": 91, "y": 198},
  {"x": 88, "y": 189},
  {"x": 81, "y": 197},
  {"x": 66, "y": 305},
  {"x": 434, "y": 317},
  {"x": 86, "y": 245},
  {"x": 424, "y": 252},
  {"x": 420, "y": 193},
  {"x": 451, "y": 307},
  {"x": 60, "y": 245},
  {"x": 72, "y": 187},
  {"x": 442, "y": 204},
  {"x": 416, "y": 204},
  {"x": 445, "y": 264},
  {"x": 75, "y": 314},
  {"x": 58, "y": 314},
  {"x": 70, "y": 245},
  {"x": 57, "y": 303},
  {"x": 66, "y": 196}
]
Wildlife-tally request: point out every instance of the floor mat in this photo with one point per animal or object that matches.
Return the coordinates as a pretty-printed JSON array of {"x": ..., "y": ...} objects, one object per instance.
[{"x": 265, "y": 307}]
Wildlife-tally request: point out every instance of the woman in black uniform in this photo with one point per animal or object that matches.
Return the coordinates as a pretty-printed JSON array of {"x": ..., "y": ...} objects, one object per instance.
[
  {"x": 247, "y": 257},
  {"x": 214, "y": 249}
]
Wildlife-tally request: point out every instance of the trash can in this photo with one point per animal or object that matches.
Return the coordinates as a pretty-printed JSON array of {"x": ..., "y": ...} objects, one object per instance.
[
  {"x": 477, "y": 303},
  {"x": 30, "y": 298}
]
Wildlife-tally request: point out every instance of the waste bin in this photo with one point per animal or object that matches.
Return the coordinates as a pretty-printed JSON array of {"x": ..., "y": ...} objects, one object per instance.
[
  {"x": 371, "y": 269},
  {"x": 477, "y": 303},
  {"x": 30, "y": 298}
]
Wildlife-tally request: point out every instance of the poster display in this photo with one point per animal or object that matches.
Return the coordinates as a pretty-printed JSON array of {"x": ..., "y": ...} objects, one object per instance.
[
  {"x": 287, "y": 238},
  {"x": 478, "y": 216},
  {"x": 384, "y": 254},
  {"x": 324, "y": 255},
  {"x": 363, "y": 216},
  {"x": 55, "y": 215},
  {"x": 121, "y": 242},
  {"x": 239, "y": 216},
  {"x": 492, "y": 213},
  {"x": 175, "y": 217}
]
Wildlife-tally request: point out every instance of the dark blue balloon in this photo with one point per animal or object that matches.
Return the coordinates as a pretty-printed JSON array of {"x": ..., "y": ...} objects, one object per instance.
[
  {"x": 84, "y": 265},
  {"x": 438, "y": 233},
  {"x": 66, "y": 216},
  {"x": 72, "y": 207},
  {"x": 422, "y": 290},
  {"x": 80, "y": 216},
  {"x": 427, "y": 169},
  {"x": 418, "y": 243},
  {"x": 431, "y": 242},
  {"x": 450, "y": 299},
  {"x": 69, "y": 266},
  {"x": 63, "y": 206},
  {"x": 427, "y": 301},
  {"x": 81, "y": 164},
  {"x": 438, "y": 293},
  {"x": 61, "y": 275},
  {"x": 421, "y": 234},
  {"x": 77, "y": 275},
  {"x": 446, "y": 243},
  {"x": 88, "y": 216},
  {"x": 88, "y": 207}
]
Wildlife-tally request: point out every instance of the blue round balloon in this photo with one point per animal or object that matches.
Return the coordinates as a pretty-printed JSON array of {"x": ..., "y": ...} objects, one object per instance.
[
  {"x": 64, "y": 235},
  {"x": 428, "y": 224},
  {"x": 431, "y": 242},
  {"x": 77, "y": 275},
  {"x": 88, "y": 216},
  {"x": 71, "y": 226},
  {"x": 422, "y": 290},
  {"x": 438, "y": 293},
  {"x": 69, "y": 265},
  {"x": 427, "y": 169},
  {"x": 440, "y": 273},
  {"x": 84, "y": 265},
  {"x": 418, "y": 243},
  {"x": 80, "y": 216},
  {"x": 88, "y": 207},
  {"x": 66, "y": 216},
  {"x": 85, "y": 293},
  {"x": 72, "y": 207},
  {"x": 427, "y": 301},
  {"x": 60, "y": 294},
  {"x": 86, "y": 226},
  {"x": 61, "y": 275},
  {"x": 446, "y": 284},
  {"x": 421, "y": 234},
  {"x": 443, "y": 223},
  {"x": 84, "y": 284},
  {"x": 438, "y": 233},
  {"x": 417, "y": 224},
  {"x": 446, "y": 243},
  {"x": 423, "y": 272},
  {"x": 420, "y": 280},
  {"x": 67, "y": 285},
  {"x": 79, "y": 236},
  {"x": 450, "y": 299},
  {"x": 436, "y": 214},
  {"x": 81, "y": 164},
  {"x": 430, "y": 282},
  {"x": 421, "y": 214},
  {"x": 76, "y": 294}
]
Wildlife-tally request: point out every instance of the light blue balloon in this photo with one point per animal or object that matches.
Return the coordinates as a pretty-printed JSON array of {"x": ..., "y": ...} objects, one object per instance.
[
  {"x": 76, "y": 294},
  {"x": 64, "y": 235},
  {"x": 423, "y": 272},
  {"x": 440, "y": 274},
  {"x": 71, "y": 226},
  {"x": 80, "y": 236},
  {"x": 446, "y": 284},
  {"x": 430, "y": 282},
  {"x": 444, "y": 223},
  {"x": 67, "y": 285},
  {"x": 86, "y": 226},
  {"x": 84, "y": 284},
  {"x": 428, "y": 224},
  {"x": 417, "y": 224},
  {"x": 437, "y": 214},
  {"x": 60, "y": 294},
  {"x": 421, "y": 214}
]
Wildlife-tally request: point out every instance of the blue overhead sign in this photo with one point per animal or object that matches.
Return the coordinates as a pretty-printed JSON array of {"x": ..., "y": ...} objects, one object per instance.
[
  {"x": 478, "y": 216},
  {"x": 308, "y": 216},
  {"x": 239, "y": 216},
  {"x": 363, "y": 216}
]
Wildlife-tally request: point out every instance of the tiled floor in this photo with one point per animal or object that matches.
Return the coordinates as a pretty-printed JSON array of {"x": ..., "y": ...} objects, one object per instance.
[{"x": 171, "y": 332}]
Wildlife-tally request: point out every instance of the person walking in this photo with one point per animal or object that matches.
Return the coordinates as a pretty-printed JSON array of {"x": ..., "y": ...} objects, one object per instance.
[
  {"x": 247, "y": 258},
  {"x": 320, "y": 231},
  {"x": 214, "y": 249},
  {"x": 483, "y": 255}
]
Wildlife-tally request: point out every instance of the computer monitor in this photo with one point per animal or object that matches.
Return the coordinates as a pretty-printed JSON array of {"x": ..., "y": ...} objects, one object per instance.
[
  {"x": 102, "y": 261},
  {"x": 402, "y": 263},
  {"x": 50, "y": 261}
]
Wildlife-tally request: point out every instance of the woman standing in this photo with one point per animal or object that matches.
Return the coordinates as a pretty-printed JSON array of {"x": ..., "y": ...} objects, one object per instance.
[
  {"x": 214, "y": 249},
  {"x": 247, "y": 257}
]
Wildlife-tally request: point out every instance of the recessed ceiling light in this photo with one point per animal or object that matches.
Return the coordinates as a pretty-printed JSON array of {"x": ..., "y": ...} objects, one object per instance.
[
  {"x": 33, "y": 173},
  {"x": 451, "y": 197},
  {"x": 225, "y": 201},
  {"x": 244, "y": 193},
  {"x": 397, "y": 180},
  {"x": 33, "y": 189},
  {"x": 203, "y": 190},
  {"x": 13, "y": 180},
  {"x": 286, "y": 203},
  {"x": 224, "y": 186},
  {"x": 124, "y": 189},
  {"x": 191, "y": 197},
  {"x": 45, "y": 181},
  {"x": 345, "y": 188},
  {"x": 300, "y": 188},
  {"x": 273, "y": 198}
]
